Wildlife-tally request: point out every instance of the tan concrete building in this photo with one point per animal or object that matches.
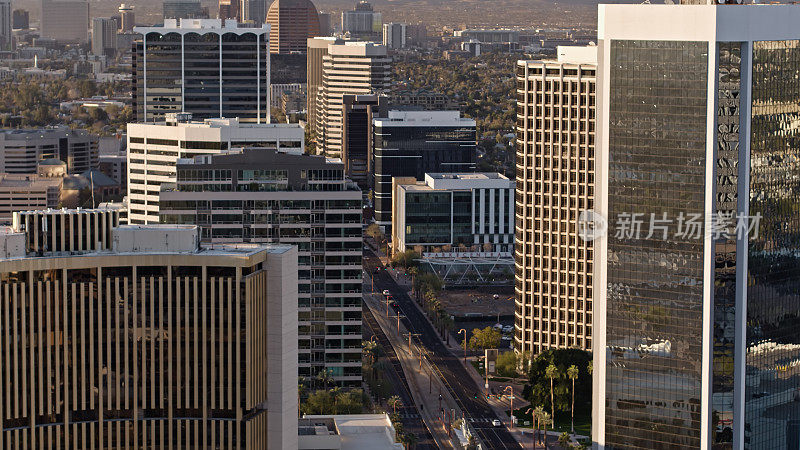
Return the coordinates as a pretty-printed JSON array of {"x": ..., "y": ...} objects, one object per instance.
[
  {"x": 158, "y": 343},
  {"x": 317, "y": 49},
  {"x": 25, "y": 192},
  {"x": 555, "y": 182},
  {"x": 349, "y": 68}
]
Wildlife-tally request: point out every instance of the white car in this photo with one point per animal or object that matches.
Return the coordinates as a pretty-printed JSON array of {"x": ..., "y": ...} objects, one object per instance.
[
  {"x": 386, "y": 292},
  {"x": 508, "y": 329},
  {"x": 497, "y": 423}
]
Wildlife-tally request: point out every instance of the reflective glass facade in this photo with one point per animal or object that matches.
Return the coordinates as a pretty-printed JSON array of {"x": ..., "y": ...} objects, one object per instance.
[
  {"x": 183, "y": 71},
  {"x": 657, "y": 142},
  {"x": 772, "y": 412},
  {"x": 406, "y": 151},
  {"x": 729, "y": 90}
]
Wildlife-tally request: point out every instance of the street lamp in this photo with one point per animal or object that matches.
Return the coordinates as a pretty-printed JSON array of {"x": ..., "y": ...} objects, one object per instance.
[
  {"x": 465, "y": 345},
  {"x": 512, "y": 403}
]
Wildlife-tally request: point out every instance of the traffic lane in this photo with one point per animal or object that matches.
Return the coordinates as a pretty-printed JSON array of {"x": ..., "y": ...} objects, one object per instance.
[
  {"x": 409, "y": 414},
  {"x": 451, "y": 367}
]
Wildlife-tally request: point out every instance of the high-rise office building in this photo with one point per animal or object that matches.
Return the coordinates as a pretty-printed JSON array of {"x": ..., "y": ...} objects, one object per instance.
[
  {"x": 394, "y": 35},
  {"x": 357, "y": 115},
  {"x": 254, "y": 11},
  {"x": 362, "y": 21},
  {"x": 104, "y": 36},
  {"x": 459, "y": 211},
  {"x": 292, "y": 22},
  {"x": 270, "y": 196},
  {"x": 127, "y": 18},
  {"x": 325, "y": 25},
  {"x": 20, "y": 19},
  {"x": 413, "y": 143},
  {"x": 555, "y": 183},
  {"x": 228, "y": 9},
  {"x": 173, "y": 73},
  {"x": 183, "y": 9},
  {"x": 317, "y": 49},
  {"x": 154, "y": 149},
  {"x": 696, "y": 300},
  {"x": 22, "y": 150},
  {"x": 349, "y": 68},
  {"x": 156, "y": 342},
  {"x": 6, "y": 25},
  {"x": 65, "y": 20}
]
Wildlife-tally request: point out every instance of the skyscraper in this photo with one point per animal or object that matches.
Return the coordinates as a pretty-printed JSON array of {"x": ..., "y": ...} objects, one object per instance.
[
  {"x": 183, "y": 9},
  {"x": 20, "y": 19},
  {"x": 357, "y": 116},
  {"x": 228, "y": 9},
  {"x": 253, "y": 11},
  {"x": 292, "y": 22},
  {"x": 362, "y": 21},
  {"x": 555, "y": 182},
  {"x": 696, "y": 301},
  {"x": 104, "y": 36},
  {"x": 154, "y": 342},
  {"x": 288, "y": 198},
  {"x": 394, "y": 35},
  {"x": 65, "y": 20},
  {"x": 6, "y": 37},
  {"x": 180, "y": 67},
  {"x": 413, "y": 143},
  {"x": 154, "y": 149},
  {"x": 317, "y": 49},
  {"x": 349, "y": 68},
  {"x": 127, "y": 17}
]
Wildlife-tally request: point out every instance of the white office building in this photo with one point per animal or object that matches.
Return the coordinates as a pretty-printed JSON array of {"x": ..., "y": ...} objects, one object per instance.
[{"x": 153, "y": 151}]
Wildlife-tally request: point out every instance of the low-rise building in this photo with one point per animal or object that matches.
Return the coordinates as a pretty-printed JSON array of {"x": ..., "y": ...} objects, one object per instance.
[
  {"x": 21, "y": 150},
  {"x": 19, "y": 192},
  {"x": 449, "y": 211},
  {"x": 347, "y": 432}
]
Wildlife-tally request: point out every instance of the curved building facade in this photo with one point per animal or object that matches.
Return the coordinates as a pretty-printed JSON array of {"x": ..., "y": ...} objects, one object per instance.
[{"x": 292, "y": 23}]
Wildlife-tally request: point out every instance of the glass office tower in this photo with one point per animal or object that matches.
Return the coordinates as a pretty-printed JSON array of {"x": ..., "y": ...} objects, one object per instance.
[{"x": 696, "y": 322}]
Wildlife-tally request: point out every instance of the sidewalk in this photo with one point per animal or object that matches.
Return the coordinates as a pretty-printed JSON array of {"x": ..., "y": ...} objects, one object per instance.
[{"x": 426, "y": 399}]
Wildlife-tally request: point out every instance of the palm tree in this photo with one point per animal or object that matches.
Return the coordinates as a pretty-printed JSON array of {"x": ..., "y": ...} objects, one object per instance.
[
  {"x": 590, "y": 367},
  {"x": 564, "y": 440},
  {"x": 325, "y": 377},
  {"x": 538, "y": 413},
  {"x": 552, "y": 372},
  {"x": 545, "y": 419},
  {"x": 335, "y": 392},
  {"x": 395, "y": 402},
  {"x": 572, "y": 373}
]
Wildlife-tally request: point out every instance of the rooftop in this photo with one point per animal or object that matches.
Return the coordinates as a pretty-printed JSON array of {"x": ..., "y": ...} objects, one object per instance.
[
  {"x": 460, "y": 181},
  {"x": 355, "y": 431},
  {"x": 399, "y": 118},
  {"x": 208, "y": 25}
]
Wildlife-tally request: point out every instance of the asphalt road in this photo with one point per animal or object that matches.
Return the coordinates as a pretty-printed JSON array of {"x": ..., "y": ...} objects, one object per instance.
[
  {"x": 409, "y": 415},
  {"x": 469, "y": 397}
]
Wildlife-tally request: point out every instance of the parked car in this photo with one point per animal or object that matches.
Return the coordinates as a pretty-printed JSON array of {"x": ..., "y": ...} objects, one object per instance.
[
  {"x": 386, "y": 292},
  {"x": 497, "y": 423}
]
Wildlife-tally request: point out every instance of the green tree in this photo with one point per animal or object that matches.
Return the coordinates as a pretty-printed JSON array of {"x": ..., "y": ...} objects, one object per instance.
[
  {"x": 538, "y": 390},
  {"x": 572, "y": 374},
  {"x": 564, "y": 440},
  {"x": 406, "y": 259},
  {"x": 485, "y": 338},
  {"x": 545, "y": 419},
  {"x": 507, "y": 364},
  {"x": 395, "y": 402},
  {"x": 319, "y": 402},
  {"x": 551, "y": 372}
]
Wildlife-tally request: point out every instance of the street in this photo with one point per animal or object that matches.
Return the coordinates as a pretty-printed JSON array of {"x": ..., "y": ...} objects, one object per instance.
[
  {"x": 469, "y": 397},
  {"x": 409, "y": 414}
]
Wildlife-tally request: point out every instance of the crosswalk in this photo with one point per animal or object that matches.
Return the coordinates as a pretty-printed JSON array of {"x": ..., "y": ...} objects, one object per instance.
[
  {"x": 481, "y": 419},
  {"x": 405, "y": 415}
]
